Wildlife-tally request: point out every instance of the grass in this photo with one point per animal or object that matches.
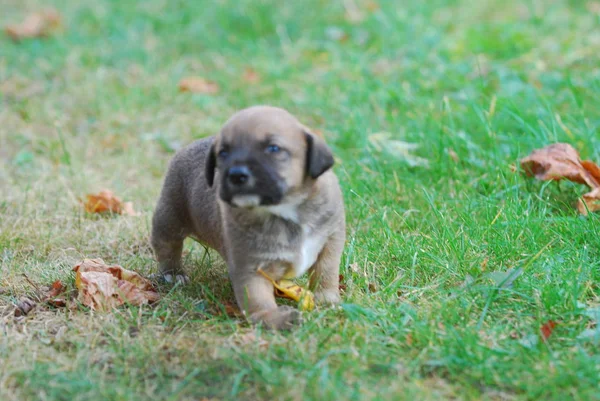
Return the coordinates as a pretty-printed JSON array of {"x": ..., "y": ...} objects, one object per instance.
[{"x": 477, "y": 85}]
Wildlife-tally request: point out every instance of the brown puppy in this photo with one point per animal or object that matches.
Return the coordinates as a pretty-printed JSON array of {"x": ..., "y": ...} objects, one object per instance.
[{"x": 262, "y": 193}]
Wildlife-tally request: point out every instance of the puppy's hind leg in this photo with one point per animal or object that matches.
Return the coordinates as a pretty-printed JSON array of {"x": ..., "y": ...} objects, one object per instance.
[
  {"x": 324, "y": 274},
  {"x": 167, "y": 239}
]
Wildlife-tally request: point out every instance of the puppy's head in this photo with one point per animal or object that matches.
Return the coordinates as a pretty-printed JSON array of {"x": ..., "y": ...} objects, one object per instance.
[{"x": 263, "y": 155}]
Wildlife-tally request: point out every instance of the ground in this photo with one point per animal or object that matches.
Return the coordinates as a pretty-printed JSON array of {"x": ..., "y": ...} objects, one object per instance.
[{"x": 432, "y": 232}]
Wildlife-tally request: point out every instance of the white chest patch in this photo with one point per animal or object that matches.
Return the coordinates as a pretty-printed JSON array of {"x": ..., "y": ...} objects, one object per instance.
[{"x": 310, "y": 247}]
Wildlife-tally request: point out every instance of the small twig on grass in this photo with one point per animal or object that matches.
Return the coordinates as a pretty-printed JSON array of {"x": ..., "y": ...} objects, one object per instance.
[{"x": 35, "y": 287}]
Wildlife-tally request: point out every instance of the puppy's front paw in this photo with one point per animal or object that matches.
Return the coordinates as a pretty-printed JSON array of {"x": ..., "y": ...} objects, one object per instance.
[
  {"x": 283, "y": 318},
  {"x": 171, "y": 278},
  {"x": 327, "y": 297},
  {"x": 176, "y": 279}
]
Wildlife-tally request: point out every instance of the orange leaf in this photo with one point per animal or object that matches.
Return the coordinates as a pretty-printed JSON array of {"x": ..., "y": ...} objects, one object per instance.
[
  {"x": 251, "y": 76},
  {"x": 589, "y": 201},
  {"x": 35, "y": 25},
  {"x": 56, "y": 289},
  {"x": 232, "y": 309},
  {"x": 547, "y": 329},
  {"x": 198, "y": 85},
  {"x": 342, "y": 283},
  {"x": 103, "y": 287},
  {"x": 107, "y": 201},
  {"x": 561, "y": 161}
]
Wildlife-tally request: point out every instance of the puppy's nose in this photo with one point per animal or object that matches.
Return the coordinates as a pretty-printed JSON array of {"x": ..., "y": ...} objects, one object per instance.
[{"x": 238, "y": 175}]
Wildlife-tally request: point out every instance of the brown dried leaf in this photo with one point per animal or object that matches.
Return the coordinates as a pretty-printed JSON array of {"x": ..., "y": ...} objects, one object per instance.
[
  {"x": 36, "y": 25},
  {"x": 547, "y": 329},
  {"x": 106, "y": 201},
  {"x": 24, "y": 306},
  {"x": 592, "y": 168},
  {"x": 57, "y": 302},
  {"x": 232, "y": 310},
  {"x": 561, "y": 161},
  {"x": 56, "y": 289},
  {"x": 198, "y": 85},
  {"x": 589, "y": 202},
  {"x": 251, "y": 76},
  {"x": 342, "y": 283},
  {"x": 103, "y": 287}
]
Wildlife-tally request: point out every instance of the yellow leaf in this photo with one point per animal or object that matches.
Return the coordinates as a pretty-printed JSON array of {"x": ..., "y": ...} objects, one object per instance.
[{"x": 287, "y": 289}]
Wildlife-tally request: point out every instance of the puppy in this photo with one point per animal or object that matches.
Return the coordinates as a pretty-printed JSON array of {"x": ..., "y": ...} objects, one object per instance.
[{"x": 263, "y": 195}]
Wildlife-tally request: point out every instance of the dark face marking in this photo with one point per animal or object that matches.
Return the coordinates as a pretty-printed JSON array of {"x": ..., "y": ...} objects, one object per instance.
[
  {"x": 251, "y": 169},
  {"x": 262, "y": 154}
]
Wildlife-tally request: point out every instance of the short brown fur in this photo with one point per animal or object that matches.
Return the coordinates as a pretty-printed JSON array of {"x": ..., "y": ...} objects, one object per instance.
[{"x": 286, "y": 216}]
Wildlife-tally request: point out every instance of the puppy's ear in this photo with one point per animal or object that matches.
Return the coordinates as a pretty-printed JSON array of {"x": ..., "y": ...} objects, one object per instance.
[
  {"x": 210, "y": 165},
  {"x": 319, "y": 158}
]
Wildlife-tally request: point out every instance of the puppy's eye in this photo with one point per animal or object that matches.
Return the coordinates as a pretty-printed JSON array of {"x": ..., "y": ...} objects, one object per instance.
[
  {"x": 223, "y": 153},
  {"x": 273, "y": 149}
]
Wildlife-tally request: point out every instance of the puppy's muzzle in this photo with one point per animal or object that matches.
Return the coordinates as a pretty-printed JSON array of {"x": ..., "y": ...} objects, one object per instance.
[
  {"x": 240, "y": 177},
  {"x": 249, "y": 184}
]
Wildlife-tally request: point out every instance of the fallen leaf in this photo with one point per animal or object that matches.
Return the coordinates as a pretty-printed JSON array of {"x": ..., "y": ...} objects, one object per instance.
[
  {"x": 106, "y": 201},
  {"x": 547, "y": 329},
  {"x": 24, "y": 306},
  {"x": 103, "y": 287},
  {"x": 561, "y": 161},
  {"x": 342, "y": 283},
  {"x": 402, "y": 150},
  {"x": 589, "y": 202},
  {"x": 251, "y": 76},
  {"x": 51, "y": 296},
  {"x": 36, "y": 25},
  {"x": 506, "y": 278},
  {"x": 232, "y": 310},
  {"x": 287, "y": 289},
  {"x": 56, "y": 289},
  {"x": 57, "y": 302},
  {"x": 198, "y": 85}
]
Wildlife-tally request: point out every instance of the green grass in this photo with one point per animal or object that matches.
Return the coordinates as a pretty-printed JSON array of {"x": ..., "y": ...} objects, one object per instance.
[{"x": 425, "y": 316}]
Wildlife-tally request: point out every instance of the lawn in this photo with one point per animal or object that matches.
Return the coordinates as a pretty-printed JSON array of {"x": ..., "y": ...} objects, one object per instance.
[{"x": 433, "y": 232}]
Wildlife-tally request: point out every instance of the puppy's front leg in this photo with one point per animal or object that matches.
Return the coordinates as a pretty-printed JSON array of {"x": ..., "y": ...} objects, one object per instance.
[
  {"x": 168, "y": 234},
  {"x": 255, "y": 296},
  {"x": 325, "y": 273}
]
